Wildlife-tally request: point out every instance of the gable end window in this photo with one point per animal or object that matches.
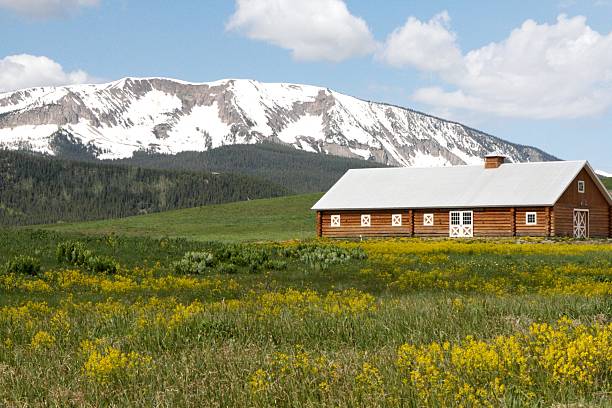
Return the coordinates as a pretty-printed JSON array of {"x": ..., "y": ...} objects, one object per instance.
[
  {"x": 335, "y": 220},
  {"x": 396, "y": 220},
  {"x": 581, "y": 186},
  {"x": 531, "y": 218},
  {"x": 365, "y": 220},
  {"x": 428, "y": 219}
]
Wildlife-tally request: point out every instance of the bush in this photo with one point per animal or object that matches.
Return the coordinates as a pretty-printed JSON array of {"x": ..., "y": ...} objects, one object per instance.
[
  {"x": 251, "y": 257},
  {"x": 227, "y": 268},
  {"x": 102, "y": 264},
  {"x": 24, "y": 265},
  {"x": 322, "y": 256},
  {"x": 195, "y": 263},
  {"x": 72, "y": 252},
  {"x": 75, "y": 253}
]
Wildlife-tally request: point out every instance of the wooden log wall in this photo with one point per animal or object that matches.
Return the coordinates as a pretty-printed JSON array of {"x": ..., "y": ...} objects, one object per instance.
[
  {"x": 488, "y": 222},
  {"x": 540, "y": 229},
  {"x": 592, "y": 199},
  {"x": 350, "y": 223}
]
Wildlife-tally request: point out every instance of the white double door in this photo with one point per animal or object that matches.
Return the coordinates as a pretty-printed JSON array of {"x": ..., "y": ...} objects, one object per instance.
[{"x": 461, "y": 224}]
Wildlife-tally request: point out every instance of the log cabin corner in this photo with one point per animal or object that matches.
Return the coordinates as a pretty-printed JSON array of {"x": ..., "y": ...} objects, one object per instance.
[{"x": 497, "y": 199}]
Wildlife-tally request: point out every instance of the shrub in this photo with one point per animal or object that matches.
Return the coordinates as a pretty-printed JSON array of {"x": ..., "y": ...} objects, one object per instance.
[
  {"x": 75, "y": 253},
  {"x": 101, "y": 264},
  {"x": 72, "y": 252},
  {"x": 195, "y": 263},
  {"x": 322, "y": 256},
  {"x": 227, "y": 268},
  {"x": 24, "y": 265},
  {"x": 251, "y": 257}
]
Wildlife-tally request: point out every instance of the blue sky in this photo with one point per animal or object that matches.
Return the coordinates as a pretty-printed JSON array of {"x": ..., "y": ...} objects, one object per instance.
[{"x": 537, "y": 73}]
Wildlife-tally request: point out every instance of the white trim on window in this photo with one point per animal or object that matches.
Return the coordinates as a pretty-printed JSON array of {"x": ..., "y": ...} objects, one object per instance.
[
  {"x": 531, "y": 218},
  {"x": 396, "y": 220},
  {"x": 365, "y": 220},
  {"x": 335, "y": 220},
  {"x": 581, "y": 186},
  {"x": 428, "y": 219}
]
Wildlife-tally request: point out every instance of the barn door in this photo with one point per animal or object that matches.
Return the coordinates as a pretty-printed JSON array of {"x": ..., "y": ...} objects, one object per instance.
[
  {"x": 581, "y": 223},
  {"x": 461, "y": 224}
]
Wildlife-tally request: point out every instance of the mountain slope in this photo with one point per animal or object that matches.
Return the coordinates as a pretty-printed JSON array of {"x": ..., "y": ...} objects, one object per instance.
[
  {"x": 116, "y": 119},
  {"x": 295, "y": 170},
  {"x": 35, "y": 189}
]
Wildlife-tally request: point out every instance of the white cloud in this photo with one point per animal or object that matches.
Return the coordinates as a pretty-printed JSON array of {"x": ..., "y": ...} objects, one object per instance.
[
  {"x": 312, "y": 29},
  {"x": 25, "y": 71},
  {"x": 45, "y": 8},
  {"x": 539, "y": 71},
  {"x": 427, "y": 46}
]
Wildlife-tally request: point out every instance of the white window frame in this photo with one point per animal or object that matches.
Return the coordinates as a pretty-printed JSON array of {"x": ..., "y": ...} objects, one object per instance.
[
  {"x": 535, "y": 218},
  {"x": 581, "y": 186},
  {"x": 366, "y": 220},
  {"x": 428, "y": 219},
  {"x": 396, "y": 220},
  {"x": 335, "y": 220}
]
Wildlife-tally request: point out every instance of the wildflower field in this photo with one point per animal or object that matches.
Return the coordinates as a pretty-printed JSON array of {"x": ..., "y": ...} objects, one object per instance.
[{"x": 129, "y": 321}]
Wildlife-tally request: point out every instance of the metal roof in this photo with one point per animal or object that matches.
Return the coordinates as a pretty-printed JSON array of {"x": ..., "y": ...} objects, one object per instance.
[{"x": 511, "y": 184}]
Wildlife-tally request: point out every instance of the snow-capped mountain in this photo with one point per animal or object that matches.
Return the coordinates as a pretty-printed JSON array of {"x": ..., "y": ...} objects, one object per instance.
[{"x": 114, "y": 120}]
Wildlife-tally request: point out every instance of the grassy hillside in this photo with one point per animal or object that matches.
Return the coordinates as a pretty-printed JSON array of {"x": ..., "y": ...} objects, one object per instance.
[
  {"x": 36, "y": 189},
  {"x": 296, "y": 170},
  {"x": 607, "y": 181},
  {"x": 266, "y": 219}
]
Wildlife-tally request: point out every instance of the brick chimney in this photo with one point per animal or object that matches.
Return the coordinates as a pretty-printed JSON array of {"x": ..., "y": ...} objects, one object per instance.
[{"x": 493, "y": 161}]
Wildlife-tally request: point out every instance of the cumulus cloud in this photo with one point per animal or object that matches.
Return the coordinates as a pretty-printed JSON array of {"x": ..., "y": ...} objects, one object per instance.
[
  {"x": 25, "y": 71},
  {"x": 427, "y": 45},
  {"x": 312, "y": 30},
  {"x": 539, "y": 71},
  {"x": 45, "y": 8}
]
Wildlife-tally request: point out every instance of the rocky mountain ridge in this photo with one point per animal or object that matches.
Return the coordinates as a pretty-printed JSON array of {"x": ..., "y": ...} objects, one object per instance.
[{"x": 116, "y": 119}]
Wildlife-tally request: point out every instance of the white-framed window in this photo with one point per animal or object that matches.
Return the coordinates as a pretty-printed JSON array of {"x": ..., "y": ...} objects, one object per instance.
[
  {"x": 531, "y": 218},
  {"x": 455, "y": 218},
  {"x": 335, "y": 220},
  {"x": 396, "y": 220},
  {"x": 428, "y": 219},
  {"x": 365, "y": 220},
  {"x": 581, "y": 186},
  {"x": 467, "y": 218}
]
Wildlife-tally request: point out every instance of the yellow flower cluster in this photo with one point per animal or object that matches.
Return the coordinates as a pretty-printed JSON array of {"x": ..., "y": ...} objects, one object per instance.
[
  {"x": 24, "y": 316},
  {"x": 393, "y": 247},
  {"x": 110, "y": 363},
  {"x": 11, "y": 281},
  {"x": 476, "y": 372},
  {"x": 350, "y": 301},
  {"x": 137, "y": 280},
  {"x": 573, "y": 353},
  {"x": 42, "y": 340},
  {"x": 369, "y": 381},
  {"x": 568, "y": 279}
]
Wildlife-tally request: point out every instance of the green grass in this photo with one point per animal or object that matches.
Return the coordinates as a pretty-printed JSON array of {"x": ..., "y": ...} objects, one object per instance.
[
  {"x": 266, "y": 219},
  {"x": 204, "y": 337},
  {"x": 607, "y": 181}
]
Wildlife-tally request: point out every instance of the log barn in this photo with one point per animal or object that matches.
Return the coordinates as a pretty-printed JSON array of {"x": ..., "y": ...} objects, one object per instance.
[{"x": 497, "y": 199}]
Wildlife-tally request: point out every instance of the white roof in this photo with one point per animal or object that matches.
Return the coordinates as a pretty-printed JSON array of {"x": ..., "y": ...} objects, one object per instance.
[{"x": 511, "y": 184}]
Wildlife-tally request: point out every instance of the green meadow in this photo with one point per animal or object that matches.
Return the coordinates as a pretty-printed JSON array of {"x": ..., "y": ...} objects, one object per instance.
[{"x": 238, "y": 305}]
